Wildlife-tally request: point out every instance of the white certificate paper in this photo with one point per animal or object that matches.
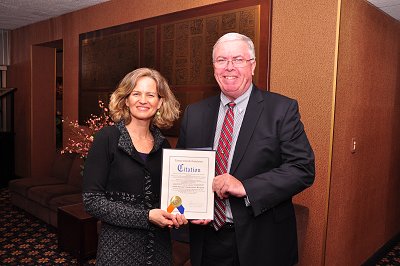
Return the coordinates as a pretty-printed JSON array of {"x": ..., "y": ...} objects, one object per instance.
[{"x": 186, "y": 185}]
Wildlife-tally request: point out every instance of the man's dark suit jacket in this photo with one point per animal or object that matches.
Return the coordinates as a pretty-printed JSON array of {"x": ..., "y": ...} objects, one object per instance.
[{"x": 274, "y": 161}]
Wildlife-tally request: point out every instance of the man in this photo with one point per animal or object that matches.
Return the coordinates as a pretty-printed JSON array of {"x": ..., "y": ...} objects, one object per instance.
[{"x": 263, "y": 159}]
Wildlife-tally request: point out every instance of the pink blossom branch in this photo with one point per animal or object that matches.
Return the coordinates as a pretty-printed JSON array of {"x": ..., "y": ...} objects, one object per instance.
[{"x": 81, "y": 136}]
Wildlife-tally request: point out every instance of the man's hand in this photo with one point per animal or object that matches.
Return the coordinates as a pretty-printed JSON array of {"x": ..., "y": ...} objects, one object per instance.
[
  {"x": 226, "y": 184},
  {"x": 200, "y": 222}
]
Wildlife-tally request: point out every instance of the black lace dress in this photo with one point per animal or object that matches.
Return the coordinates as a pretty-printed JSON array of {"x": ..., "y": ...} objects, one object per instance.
[{"x": 119, "y": 189}]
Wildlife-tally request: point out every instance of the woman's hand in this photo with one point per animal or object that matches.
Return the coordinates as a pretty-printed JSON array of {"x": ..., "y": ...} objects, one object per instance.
[
  {"x": 162, "y": 218},
  {"x": 179, "y": 220}
]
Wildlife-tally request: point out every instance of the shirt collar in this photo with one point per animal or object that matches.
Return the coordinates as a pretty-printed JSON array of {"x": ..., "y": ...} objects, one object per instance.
[{"x": 241, "y": 101}]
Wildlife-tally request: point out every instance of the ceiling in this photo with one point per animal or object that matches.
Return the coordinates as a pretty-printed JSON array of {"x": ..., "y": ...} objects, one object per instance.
[
  {"x": 17, "y": 13},
  {"x": 391, "y": 7}
]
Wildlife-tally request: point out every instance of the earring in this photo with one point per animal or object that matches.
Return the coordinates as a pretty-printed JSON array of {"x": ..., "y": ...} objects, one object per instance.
[{"x": 158, "y": 113}]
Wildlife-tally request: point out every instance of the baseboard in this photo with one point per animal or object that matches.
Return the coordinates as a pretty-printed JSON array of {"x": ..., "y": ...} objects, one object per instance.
[{"x": 373, "y": 260}]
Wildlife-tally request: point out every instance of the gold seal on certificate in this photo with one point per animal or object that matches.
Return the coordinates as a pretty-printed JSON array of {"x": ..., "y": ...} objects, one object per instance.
[
  {"x": 176, "y": 202},
  {"x": 186, "y": 185}
]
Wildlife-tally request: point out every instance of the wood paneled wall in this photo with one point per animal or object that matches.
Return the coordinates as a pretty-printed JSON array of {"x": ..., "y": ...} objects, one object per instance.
[
  {"x": 347, "y": 83},
  {"x": 365, "y": 185},
  {"x": 303, "y": 67}
]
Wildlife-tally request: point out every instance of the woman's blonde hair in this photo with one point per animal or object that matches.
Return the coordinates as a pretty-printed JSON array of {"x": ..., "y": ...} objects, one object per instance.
[{"x": 165, "y": 116}]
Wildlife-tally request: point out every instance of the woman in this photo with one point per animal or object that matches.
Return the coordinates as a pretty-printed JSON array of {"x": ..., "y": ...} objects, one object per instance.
[{"x": 122, "y": 173}]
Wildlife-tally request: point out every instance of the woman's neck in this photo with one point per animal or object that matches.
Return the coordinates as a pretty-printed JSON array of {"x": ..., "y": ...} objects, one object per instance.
[
  {"x": 139, "y": 131},
  {"x": 141, "y": 136}
]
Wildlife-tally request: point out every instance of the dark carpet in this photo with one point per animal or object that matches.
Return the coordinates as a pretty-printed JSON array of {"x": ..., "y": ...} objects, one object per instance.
[
  {"x": 26, "y": 240},
  {"x": 392, "y": 258}
]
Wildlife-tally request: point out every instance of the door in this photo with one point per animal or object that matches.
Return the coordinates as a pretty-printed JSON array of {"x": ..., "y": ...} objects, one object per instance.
[{"x": 43, "y": 124}]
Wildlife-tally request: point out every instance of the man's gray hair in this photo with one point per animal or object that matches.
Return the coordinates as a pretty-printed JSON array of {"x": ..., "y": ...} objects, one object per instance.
[{"x": 234, "y": 36}]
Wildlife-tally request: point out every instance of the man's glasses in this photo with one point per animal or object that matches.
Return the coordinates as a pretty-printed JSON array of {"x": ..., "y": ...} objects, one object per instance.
[{"x": 236, "y": 62}]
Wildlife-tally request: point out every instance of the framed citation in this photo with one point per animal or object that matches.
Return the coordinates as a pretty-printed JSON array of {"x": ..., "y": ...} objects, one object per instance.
[{"x": 186, "y": 185}]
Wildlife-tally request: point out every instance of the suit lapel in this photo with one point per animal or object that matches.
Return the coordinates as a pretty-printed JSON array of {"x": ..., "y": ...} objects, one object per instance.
[
  {"x": 209, "y": 122},
  {"x": 251, "y": 117}
]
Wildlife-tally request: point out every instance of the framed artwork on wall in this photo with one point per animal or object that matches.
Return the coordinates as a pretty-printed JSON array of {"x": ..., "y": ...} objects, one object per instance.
[{"x": 179, "y": 45}]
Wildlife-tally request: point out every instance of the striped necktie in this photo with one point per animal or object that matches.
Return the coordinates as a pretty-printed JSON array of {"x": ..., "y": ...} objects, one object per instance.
[{"x": 224, "y": 146}]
